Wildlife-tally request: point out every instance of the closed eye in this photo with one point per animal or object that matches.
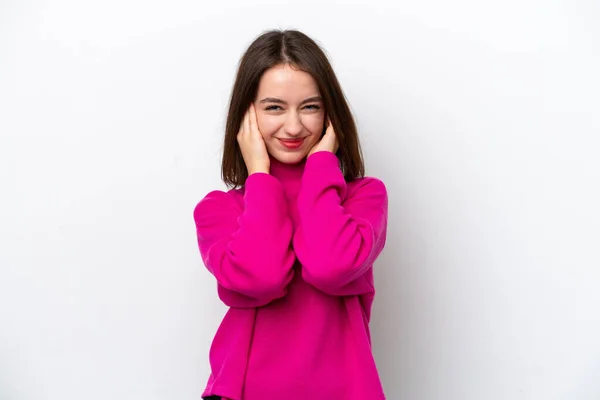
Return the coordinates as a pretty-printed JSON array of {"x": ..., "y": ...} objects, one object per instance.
[{"x": 312, "y": 107}]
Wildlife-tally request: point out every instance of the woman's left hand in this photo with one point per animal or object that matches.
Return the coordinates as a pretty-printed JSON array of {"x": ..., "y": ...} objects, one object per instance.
[{"x": 328, "y": 142}]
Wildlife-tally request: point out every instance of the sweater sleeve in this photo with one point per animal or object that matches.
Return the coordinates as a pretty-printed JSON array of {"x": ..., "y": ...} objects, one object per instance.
[
  {"x": 340, "y": 234},
  {"x": 247, "y": 250}
]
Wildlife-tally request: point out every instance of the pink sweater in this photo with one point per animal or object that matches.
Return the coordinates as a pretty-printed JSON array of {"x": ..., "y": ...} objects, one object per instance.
[{"x": 292, "y": 252}]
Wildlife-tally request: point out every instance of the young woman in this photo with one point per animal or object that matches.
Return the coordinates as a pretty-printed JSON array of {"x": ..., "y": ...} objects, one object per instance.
[{"x": 292, "y": 242}]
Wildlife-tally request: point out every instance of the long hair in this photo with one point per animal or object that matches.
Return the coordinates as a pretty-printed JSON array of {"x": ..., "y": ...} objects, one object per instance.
[{"x": 294, "y": 48}]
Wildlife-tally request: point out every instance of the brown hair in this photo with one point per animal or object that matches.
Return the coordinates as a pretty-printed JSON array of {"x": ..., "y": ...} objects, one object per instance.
[{"x": 291, "y": 47}]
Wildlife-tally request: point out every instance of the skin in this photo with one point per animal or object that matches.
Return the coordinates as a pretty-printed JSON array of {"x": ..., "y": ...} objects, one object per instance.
[{"x": 287, "y": 107}]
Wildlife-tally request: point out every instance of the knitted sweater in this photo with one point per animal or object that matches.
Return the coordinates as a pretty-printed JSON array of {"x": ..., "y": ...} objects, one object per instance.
[{"x": 292, "y": 253}]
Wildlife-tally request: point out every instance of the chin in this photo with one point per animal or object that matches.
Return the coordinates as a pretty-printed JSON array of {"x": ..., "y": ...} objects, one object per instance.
[{"x": 289, "y": 157}]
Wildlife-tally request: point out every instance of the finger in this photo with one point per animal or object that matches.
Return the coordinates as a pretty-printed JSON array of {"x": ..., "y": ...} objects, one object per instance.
[
  {"x": 247, "y": 122},
  {"x": 241, "y": 130},
  {"x": 242, "y": 124},
  {"x": 331, "y": 129},
  {"x": 253, "y": 123},
  {"x": 329, "y": 126}
]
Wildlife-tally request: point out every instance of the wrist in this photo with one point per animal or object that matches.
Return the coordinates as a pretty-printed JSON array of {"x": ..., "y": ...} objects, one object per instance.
[
  {"x": 320, "y": 151},
  {"x": 258, "y": 170}
]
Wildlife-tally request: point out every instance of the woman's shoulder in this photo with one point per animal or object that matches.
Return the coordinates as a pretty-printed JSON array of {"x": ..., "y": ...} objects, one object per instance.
[
  {"x": 219, "y": 200},
  {"x": 222, "y": 194},
  {"x": 366, "y": 183},
  {"x": 368, "y": 191}
]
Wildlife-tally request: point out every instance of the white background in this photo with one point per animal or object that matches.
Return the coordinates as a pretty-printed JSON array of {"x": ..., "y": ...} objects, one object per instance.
[{"x": 481, "y": 117}]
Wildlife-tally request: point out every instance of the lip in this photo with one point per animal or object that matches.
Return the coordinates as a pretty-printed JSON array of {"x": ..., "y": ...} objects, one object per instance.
[{"x": 292, "y": 143}]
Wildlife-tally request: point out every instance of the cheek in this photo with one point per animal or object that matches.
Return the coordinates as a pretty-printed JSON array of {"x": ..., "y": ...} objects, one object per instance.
[
  {"x": 267, "y": 124},
  {"x": 314, "y": 123}
]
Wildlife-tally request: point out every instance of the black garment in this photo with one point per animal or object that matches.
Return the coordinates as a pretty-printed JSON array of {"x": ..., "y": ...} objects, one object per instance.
[{"x": 213, "y": 398}]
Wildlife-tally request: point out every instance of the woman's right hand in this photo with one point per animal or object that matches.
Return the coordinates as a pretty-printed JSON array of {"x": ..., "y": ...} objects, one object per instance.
[{"x": 252, "y": 144}]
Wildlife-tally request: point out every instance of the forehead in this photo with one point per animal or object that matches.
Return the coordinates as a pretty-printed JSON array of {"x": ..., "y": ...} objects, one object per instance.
[{"x": 287, "y": 83}]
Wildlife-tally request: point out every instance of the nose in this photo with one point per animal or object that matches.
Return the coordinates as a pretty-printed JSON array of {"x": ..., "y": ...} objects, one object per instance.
[{"x": 293, "y": 125}]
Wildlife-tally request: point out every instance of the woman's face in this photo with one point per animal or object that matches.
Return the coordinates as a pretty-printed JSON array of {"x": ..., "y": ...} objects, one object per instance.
[{"x": 290, "y": 113}]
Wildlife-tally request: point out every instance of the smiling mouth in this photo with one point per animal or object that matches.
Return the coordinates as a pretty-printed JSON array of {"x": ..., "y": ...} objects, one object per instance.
[
  {"x": 292, "y": 140},
  {"x": 292, "y": 143}
]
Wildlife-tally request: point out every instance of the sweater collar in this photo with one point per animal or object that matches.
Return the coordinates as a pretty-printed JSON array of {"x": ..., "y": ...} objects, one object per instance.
[{"x": 287, "y": 172}]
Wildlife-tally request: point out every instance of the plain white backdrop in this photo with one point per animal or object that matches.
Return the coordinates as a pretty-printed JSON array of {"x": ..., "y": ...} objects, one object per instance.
[{"x": 481, "y": 117}]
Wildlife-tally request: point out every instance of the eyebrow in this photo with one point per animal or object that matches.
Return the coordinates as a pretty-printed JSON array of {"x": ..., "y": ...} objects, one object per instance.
[{"x": 279, "y": 101}]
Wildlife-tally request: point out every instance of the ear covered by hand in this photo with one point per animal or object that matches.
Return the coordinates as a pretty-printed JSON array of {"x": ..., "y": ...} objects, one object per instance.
[
  {"x": 252, "y": 144},
  {"x": 328, "y": 142}
]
